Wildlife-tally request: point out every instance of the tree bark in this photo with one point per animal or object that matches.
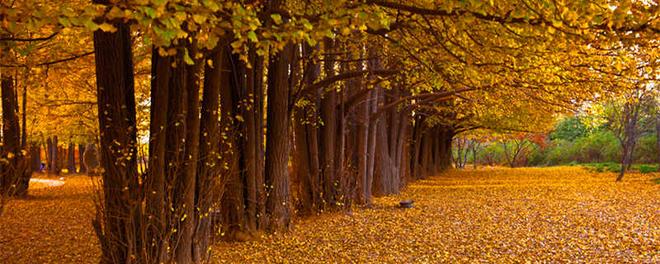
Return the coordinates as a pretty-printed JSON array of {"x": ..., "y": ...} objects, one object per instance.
[
  {"x": 341, "y": 183},
  {"x": 416, "y": 151},
  {"x": 234, "y": 197},
  {"x": 445, "y": 151},
  {"x": 657, "y": 135},
  {"x": 49, "y": 154},
  {"x": 116, "y": 226},
  {"x": 35, "y": 154},
  {"x": 253, "y": 144},
  {"x": 54, "y": 166},
  {"x": 15, "y": 174},
  {"x": 630, "y": 117},
  {"x": 156, "y": 179},
  {"x": 362, "y": 150},
  {"x": 185, "y": 187},
  {"x": 71, "y": 160},
  {"x": 328, "y": 130},
  {"x": 277, "y": 147},
  {"x": 81, "y": 160},
  {"x": 24, "y": 113},
  {"x": 208, "y": 175}
]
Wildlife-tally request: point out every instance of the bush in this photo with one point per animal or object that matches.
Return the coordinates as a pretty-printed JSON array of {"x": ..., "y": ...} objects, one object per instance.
[
  {"x": 492, "y": 154},
  {"x": 647, "y": 168},
  {"x": 600, "y": 168},
  {"x": 646, "y": 150},
  {"x": 599, "y": 146},
  {"x": 613, "y": 167},
  {"x": 603, "y": 166},
  {"x": 557, "y": 152}
]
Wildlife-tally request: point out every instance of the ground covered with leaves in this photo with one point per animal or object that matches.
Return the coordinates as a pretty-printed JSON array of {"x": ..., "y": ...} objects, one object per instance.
[
  {"x": 52, "y": 225},
  {"x": 488, "y": 215}
]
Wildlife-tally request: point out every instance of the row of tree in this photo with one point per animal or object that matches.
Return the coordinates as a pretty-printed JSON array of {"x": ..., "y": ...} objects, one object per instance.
[
  {"x": 362, "y": 146},
  {"x": 254, "y": 110},
  {"x": 51, "y": 159}
]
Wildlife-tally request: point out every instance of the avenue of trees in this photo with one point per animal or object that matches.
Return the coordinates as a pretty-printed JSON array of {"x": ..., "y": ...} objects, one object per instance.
[{"x": 232, "y": 117}]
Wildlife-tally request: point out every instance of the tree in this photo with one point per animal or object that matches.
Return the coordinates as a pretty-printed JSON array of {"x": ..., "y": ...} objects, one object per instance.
[
  {"x": 623, "y": 119},
  {"x": 657, "y": 132},
  {"x": 354, "y": 98},
  {"x": 517, "y": 148},
  {"x": 14, "y": 166},
  {"x": 118, "y": 226},
  {"x": 569, "y": 128}
]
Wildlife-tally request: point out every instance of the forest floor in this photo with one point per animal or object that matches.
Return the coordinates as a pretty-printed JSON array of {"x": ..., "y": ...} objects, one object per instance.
[
  {"x": 485, "y": 215},
  {"x": 52, "y": 225}
]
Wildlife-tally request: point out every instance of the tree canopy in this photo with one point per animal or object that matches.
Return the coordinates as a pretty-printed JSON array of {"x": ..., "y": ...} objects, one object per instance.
[{"x": 251, "y": 111}]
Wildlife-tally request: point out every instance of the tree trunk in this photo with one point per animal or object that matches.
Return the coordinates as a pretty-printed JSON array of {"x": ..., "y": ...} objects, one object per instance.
[
  {"x": 116, "y": 225},
  {"x": 426, "y": 152},
  {"x": 416, "y": 151},
  {"x": 54, "y": 166},
  {"x": 382, "y": 171},
  {"x": 49, "y": 154},
  {"x": 81, "y": 160},
  {"x": 208, "y": 175},
  {"x": 362, "y": 150},
  {"x": 630, "y": 116},
  {"x": 400, "y": 153},
  {"x": 307, "y": 139},
  {"x": 24, "y": 113},
  {"x": 371, "y": 142},
  {"x": 475, "y": 148},
  {"x": 234, "y": 197},
  {"x": 91, "y": 159},
  {"x": 253, "y": 144},
  {"x": 71, "y": 160},
  {"x": 175, "y": 154},
  {"x": 328, "y": 132},
  {"x": 35, "y": 154},
  {"x": 445, "y": 151},
  {"x": 15, "y": 174},
  {"x": 185, "y": 187},
  {"x": 62, "y": 156},
  {"x": 277, "y": 148},
  {"x": 657, "y": 135},
  {"x": 341, "y": 183},
  {"x": 156, "y": 179},
  {"x": 301, "y": 159}
]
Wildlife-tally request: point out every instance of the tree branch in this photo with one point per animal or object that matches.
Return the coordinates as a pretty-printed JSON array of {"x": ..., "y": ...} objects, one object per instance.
[
  {"x": 31, "y": 39},
  {"x": 343, "y": 76}
]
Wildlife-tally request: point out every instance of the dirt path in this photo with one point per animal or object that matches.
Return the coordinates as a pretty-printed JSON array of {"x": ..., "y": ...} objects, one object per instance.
[{"x": 38, "y": 183}]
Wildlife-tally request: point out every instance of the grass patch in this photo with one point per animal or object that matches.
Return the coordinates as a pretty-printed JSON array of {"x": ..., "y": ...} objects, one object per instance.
[
  {"x": 616, "y": 167},
  {"x": 648, "y": 168}
]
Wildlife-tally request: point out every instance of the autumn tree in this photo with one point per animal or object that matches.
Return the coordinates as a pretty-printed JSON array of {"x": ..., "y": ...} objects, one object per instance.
[{"x": 251, "y": 109}]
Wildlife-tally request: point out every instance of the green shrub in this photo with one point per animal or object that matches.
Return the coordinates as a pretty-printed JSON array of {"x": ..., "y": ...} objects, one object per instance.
[
  {"x": 613, "y": 167},
  {"x": 647, "y": 168},
  {"x": 646, "y": 150}
]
